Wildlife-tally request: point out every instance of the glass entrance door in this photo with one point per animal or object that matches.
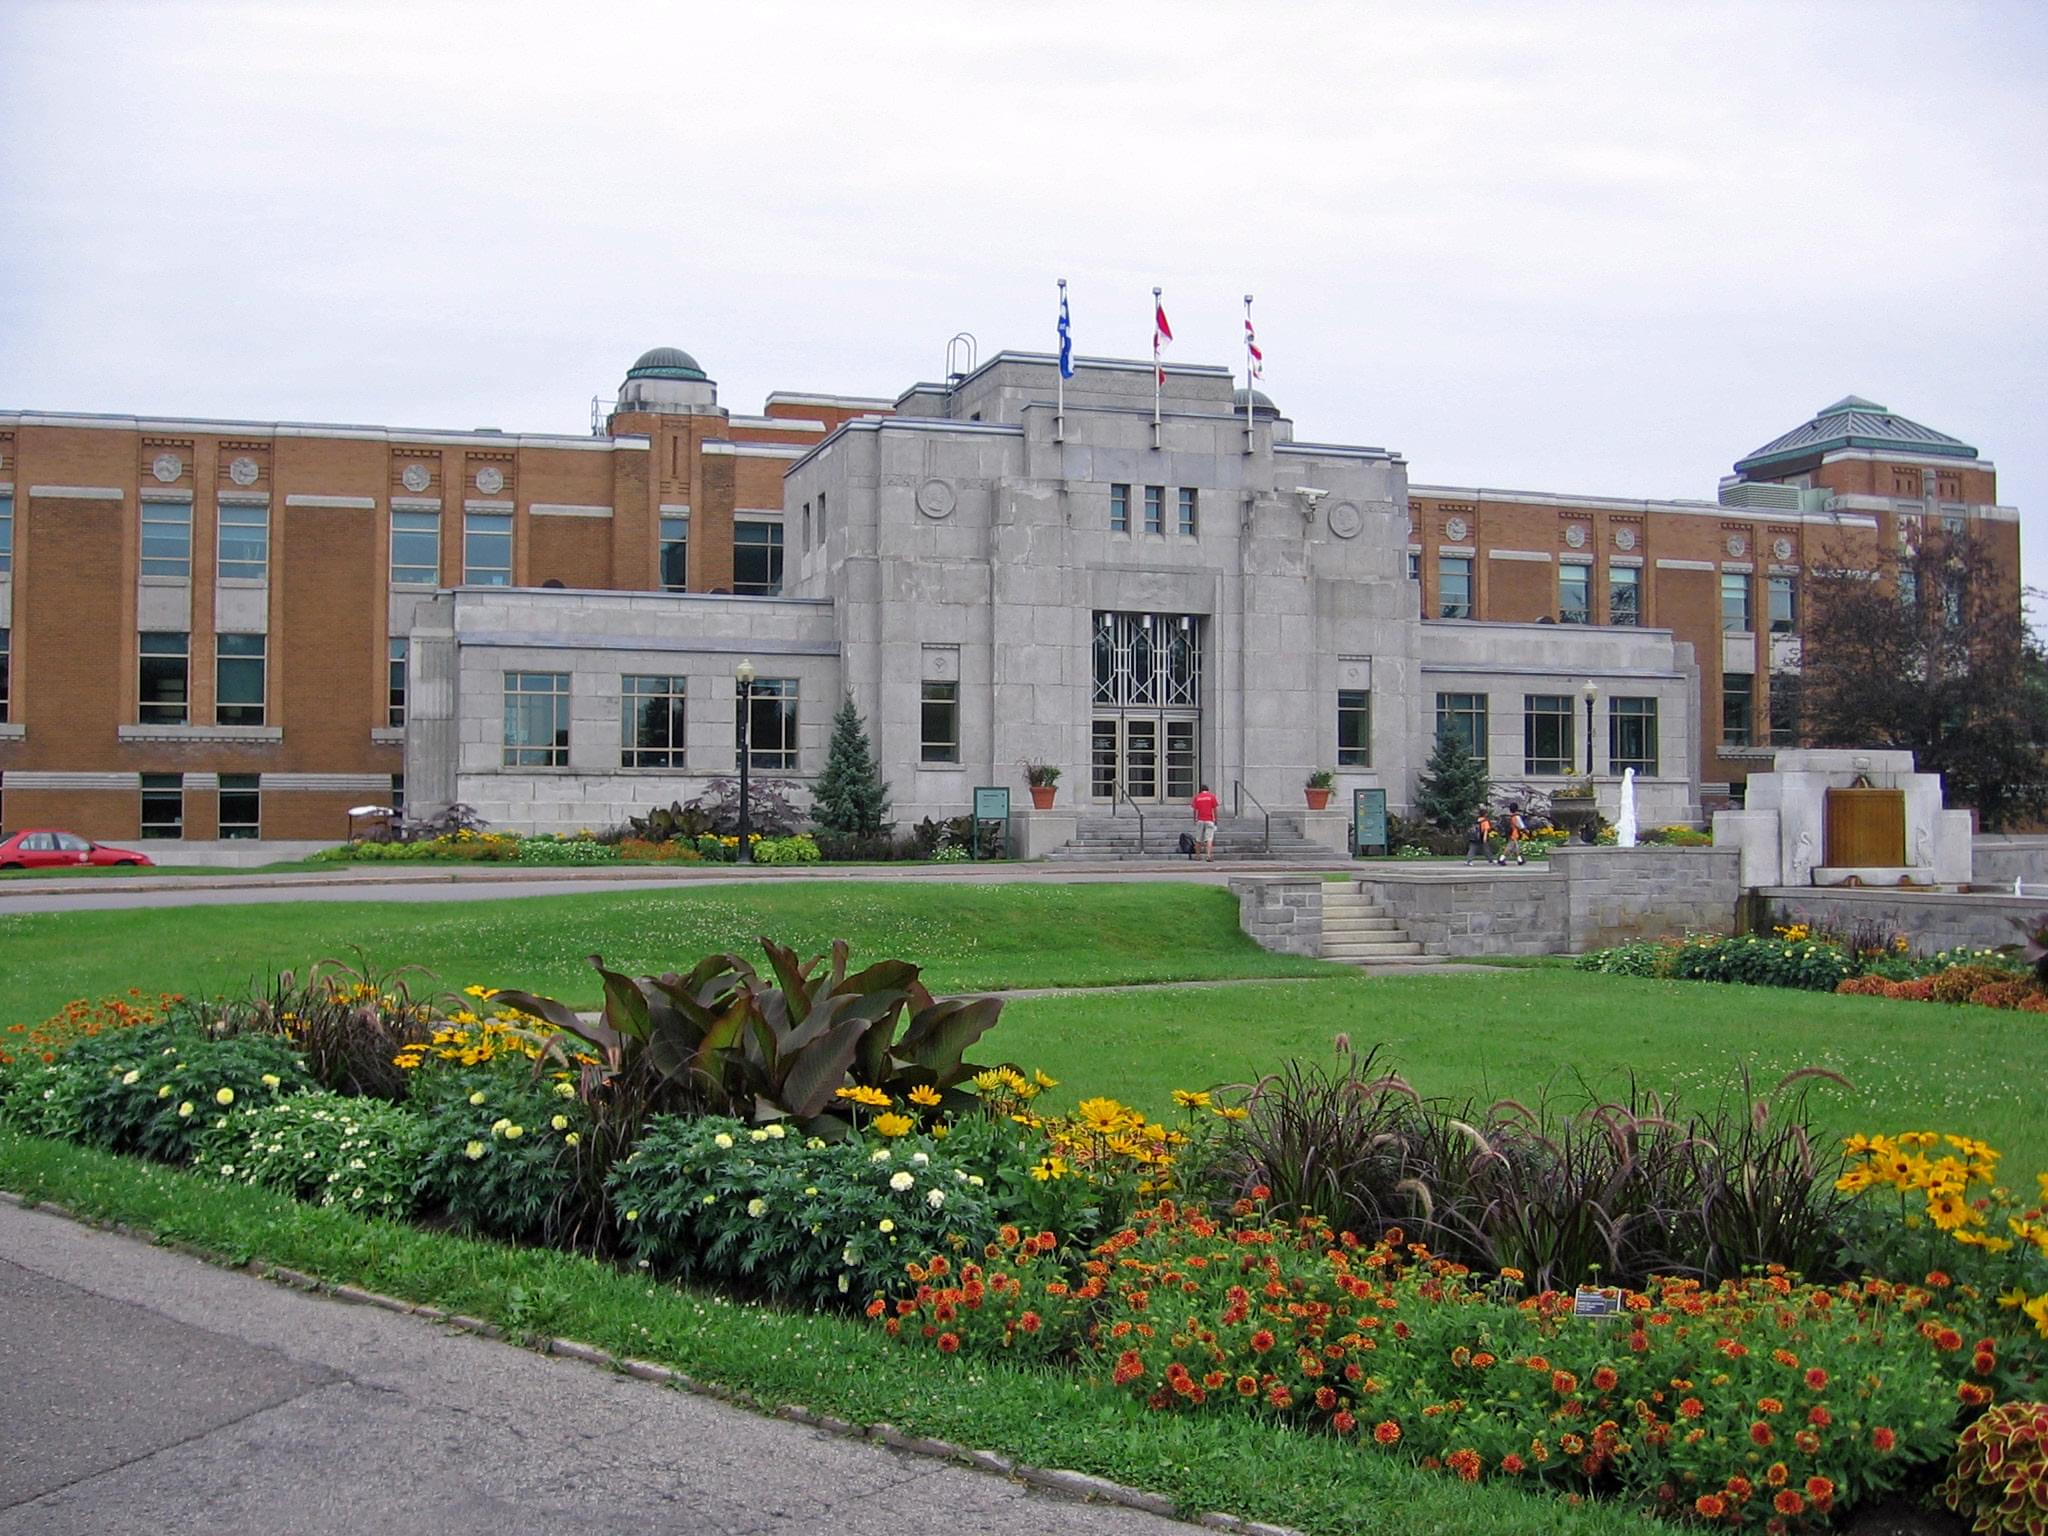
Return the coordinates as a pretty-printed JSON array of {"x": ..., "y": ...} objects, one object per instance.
[{"x": 1145, "y": 756}]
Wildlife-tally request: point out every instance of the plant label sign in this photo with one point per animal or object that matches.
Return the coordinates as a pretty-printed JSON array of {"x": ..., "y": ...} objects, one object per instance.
[
  {"x": 1368, "y": 821},
  {"x": 1588, "y": 1302}
]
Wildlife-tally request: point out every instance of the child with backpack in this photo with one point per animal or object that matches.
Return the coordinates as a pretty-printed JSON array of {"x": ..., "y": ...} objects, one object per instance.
[
  {"x": 1516, "y": 827},
  {"x": 1478, "y": 837}
]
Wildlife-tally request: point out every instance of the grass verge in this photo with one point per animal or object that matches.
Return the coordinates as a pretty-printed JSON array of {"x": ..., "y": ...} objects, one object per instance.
[
  {"x": 967, "y": 937},
  {"x": 845, "y": 1368}
]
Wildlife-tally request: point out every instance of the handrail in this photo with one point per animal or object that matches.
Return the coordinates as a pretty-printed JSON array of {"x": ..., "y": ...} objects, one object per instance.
[
  {"x": 1239, "y": 794},
  {"x": 1122, "y": 795}
]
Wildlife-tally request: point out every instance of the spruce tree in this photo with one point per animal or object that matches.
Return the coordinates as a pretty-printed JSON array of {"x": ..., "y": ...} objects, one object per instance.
[
  {"x": 850, "y": 797},
  {"x": 1454, "y": 786}
]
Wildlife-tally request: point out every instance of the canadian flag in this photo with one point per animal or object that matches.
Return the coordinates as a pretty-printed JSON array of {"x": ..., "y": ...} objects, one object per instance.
[{"x": 1162, "y": 333}]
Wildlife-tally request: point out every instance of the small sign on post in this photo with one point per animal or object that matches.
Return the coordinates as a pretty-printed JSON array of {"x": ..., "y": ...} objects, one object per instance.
[
  {"x": 1368, "y": 821},
  {"x": 991, "y": 803},
  {"x": 1588, "y": 1301}
]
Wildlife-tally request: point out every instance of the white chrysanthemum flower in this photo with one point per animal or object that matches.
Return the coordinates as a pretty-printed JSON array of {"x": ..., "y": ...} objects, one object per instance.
[
  {"x": 901, "y": 1181},
  {"x": 722, "y": 1141},
  {"x": 935, "y": 1199},
  {"x": 757, "y": 1207}
]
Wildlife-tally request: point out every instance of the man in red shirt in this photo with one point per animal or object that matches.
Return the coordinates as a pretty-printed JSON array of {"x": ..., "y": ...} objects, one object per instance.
[{"x": 1204, "y": 805}]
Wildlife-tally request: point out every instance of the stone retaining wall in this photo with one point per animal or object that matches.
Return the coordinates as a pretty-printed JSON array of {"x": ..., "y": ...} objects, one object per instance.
[
  {"x": 1283, "y": 913},
  {"x": 1619, "y": 894},
  {"x": 1477, "y": 914},
  {"x": 1931, "y": 920},
  {"x": 1998, "y": 860}
]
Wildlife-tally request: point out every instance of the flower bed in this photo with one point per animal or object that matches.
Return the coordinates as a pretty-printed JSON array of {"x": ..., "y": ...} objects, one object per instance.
[{"x": 1793, "y": 955}]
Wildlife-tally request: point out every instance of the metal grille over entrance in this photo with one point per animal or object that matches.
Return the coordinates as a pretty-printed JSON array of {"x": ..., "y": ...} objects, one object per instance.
[{"x": 1144, "y": 740}]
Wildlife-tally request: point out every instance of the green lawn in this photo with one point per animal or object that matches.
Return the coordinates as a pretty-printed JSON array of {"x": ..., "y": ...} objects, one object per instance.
[
  {"x": 967, "y": 937},
  {"x": 1511, "y": 1032}
]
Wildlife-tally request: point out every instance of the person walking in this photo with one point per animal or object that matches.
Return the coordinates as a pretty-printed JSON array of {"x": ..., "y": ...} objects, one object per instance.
[
  {"x": 1204, "y": 806},
  {"x": 1478, "y": 837},
  {"x": 1516, "y": 827}
]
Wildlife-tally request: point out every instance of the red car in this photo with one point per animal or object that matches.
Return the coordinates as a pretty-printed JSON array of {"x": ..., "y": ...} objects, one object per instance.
[{"x": 44, "y": 848}]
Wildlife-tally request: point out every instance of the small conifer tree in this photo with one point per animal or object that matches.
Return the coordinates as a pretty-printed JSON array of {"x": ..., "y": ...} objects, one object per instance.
[
  {"x": 1454, "y": 786},
  {"x": 850, "y": 797}
]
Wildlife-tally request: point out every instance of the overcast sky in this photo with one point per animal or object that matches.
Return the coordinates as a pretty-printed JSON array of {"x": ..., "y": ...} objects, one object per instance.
[{"x": 1602, "y": 249}]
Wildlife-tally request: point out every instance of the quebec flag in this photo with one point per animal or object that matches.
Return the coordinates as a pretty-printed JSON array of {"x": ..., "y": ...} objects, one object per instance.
[{"x": 1066, "y": 337}]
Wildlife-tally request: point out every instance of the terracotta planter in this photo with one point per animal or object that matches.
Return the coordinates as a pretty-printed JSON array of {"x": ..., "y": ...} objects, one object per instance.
[
  {"x": 1041, "y": 795},
  {"x": 1317, "y": 798}
]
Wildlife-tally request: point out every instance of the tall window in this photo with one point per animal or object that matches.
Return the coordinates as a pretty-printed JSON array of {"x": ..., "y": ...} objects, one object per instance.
[
  {"x": 1784, "y": 595},
  {"x": 1354, "y": 728},
  {"x": 1624, "y": 595},
  {"x": 164, "y": 697},
  {"x": 1632, "y": 735},
  {"x": 401, "y": 657},
  {"x": 238, "y": 667},
  {"x": 1738, "y": 709},
  {"x": 821, "y": 517},
  {"x": 487, "y": 549},
  {"x": 651, "y": 710},
  {"x": 1574, "y": 594},
  {"x": 1454, "y": 586},
  {"x": 163, "y": 805},
  {"x": 757, "y": 558},
  {"x": 1735, "y": 600},
  {"x": 675, "y": 553},
  {"x": 167, "y": 538},
  {"x": 1547, "y": 744},
  {"x": 243, "y": 542},
  {"x": 1119, "y": 509},
  {"x": 1190, "y": 511},
  {"x": 939, "y": 730},
  {"x": 3, "y": 676},
  {"x": 241, "y": 805},
  {"x": 1464, "y": 716},
  {"x": 536, "y": 719},
  {"x": 1155, "y": 509},
  {"x": 6, "y": 534},
  {"x": 771, "y": 725},
  {"x": 1415, "y": 565},
  {"x": 415, "y": 549},
  {"x": 1784, "y": 709}
]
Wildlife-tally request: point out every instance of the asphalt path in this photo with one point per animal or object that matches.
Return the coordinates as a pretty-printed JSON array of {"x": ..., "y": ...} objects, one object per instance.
[{"x": 150, "y": 1393}]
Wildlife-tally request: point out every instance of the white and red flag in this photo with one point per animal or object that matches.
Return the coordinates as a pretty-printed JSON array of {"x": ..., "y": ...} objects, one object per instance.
[
  {"x": 1162, "y": 333},
  {"x": 1255, "y": 360}
]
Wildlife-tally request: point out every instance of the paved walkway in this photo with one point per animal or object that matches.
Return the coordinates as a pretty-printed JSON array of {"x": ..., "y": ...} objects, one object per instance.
[{"x": 149, "y": 1393}]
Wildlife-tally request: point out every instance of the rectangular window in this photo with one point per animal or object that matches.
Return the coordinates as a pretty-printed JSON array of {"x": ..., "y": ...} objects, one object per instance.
[
  {"x": 651, "y": 710},
  {"x": 1574, "y": 594},
  {"x": 3, "y": 676},
  {"x": 1463, "y": 715},
  {"x": 1190, "y": 511},
  {"x": 1119, "y": 509},
  {"x": 1155, "y": 509},
  {"x": 415, "y": 549},
  {"x": 1632, "y": 735},
  {"x": 807, "y": 525},
  {"x": 1415, "y": 565},
  {"x": 821, "y": 517},
  {"x": 401, "y": 649},
  {"x": 757, "y": 558},
  {"x": 1547, "y": 736},
  {"x": 1738, "y": 709},
  {"x": 536, "y": 719},
  {"x": 238, "y": 666},
  {"x": 6, "y": 534},
  {"x": 487, "y": 549},
  {"x": 164, "y": 697},
  {"x": 1784, "y": 709},
  {"x": 1624, "y": 595},
  {"x": 241, "y": 805},
  {"x": 1454, "y": 586},
  {"x": 771, "y": 725},
  {"x": 1784, "y": 596},
  {"x": 675, "y": 553},
  {"x": 244, "y": 543},
  {"x": 1735, "y": 601},
  {"x": 398, "y": 792},
  {"x": 163, "y": 805},
  {"x": 940, "y": 728},
  {"x": 167, "y": 539},
  {"x": 1354, "y": 728}
]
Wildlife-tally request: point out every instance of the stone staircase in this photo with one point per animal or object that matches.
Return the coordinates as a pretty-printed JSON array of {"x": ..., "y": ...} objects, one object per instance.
[
  {"x": 1239, "y": 840},
  {"x": 1359, "y": 931}
]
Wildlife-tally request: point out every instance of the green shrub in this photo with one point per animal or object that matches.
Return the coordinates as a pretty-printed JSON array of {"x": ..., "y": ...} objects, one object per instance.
[
  {"x": 158, "y": 1090},
  {"x": 798, "y": 849},
  {"x": 1755, "y": 960},
  {"x": 793, "y": 1217},
  {"x": 565, "y": 850},
  {"x": 1642, "y": 957},
  {"x": 500, "y": 1157},
  {"x": 360, "y": 1154}
]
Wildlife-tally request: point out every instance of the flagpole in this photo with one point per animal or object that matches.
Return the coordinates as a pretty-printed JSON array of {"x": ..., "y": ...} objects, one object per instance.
[
  {"x": 1059, "y": 418},
  {"x": 1156, "y": 369},
  {"x": 1247, "y": 373}
]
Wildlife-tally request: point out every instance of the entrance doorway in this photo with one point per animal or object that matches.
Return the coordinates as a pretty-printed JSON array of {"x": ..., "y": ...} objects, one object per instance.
[{"x": 1148, "y": 756}]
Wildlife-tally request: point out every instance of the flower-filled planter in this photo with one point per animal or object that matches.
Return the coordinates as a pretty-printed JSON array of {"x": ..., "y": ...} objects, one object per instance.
[
  {"x": 1042, "y": 780},
  {"x": 1320, "y": 785}
]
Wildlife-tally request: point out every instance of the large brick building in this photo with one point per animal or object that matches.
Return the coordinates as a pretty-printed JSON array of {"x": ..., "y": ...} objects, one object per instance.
[{"x": 205, "y": 626}]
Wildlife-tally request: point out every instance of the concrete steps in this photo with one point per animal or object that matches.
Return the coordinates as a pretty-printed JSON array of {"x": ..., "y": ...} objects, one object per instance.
[
  {"x": 1359, "y": 931},
  {"x": 1239, "y": 840}
]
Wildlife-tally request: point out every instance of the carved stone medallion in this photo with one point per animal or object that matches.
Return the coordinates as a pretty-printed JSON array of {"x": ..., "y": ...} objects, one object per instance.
[
  {"x": 1782, "y": 549},
  {"x": 417, "y": 477},
  {"x": 1575, "y": 535},
  {"x": 1346, "y": 521},
  {"x": 1738, "y": 546},
  {"x": 935, "y": 499},
  {"x": 167, "y": 467},
  {"x": 490, "y": 479},
  {"x": 1456, "y": 529},
  {"x": 244, "y": 471},
  {"x": 1624, "y": 538}
]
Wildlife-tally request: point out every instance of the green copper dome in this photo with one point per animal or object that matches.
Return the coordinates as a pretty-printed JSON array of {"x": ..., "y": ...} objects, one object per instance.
[{"x": 667, "y": 363}]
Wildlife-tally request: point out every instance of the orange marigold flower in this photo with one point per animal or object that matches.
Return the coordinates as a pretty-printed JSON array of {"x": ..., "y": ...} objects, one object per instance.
[
  {"x": 1971, "y": 1395},
  {"x": 1820, "y": 1489},
  {"x": 1604, "y": 1379},
  {"x": 1710, "y": 1505},
  {"x": 1247, "y": 1386},
  {"x": 1326, "y": 1398},
  {"x": 949, "y": 1343},
  {"x": 1789, "y": 1502},
  {"x": 1947, "y": 1339},
  {"x": 1262, "y": 1341},
  {"x": 1343, "y": 1422},
  {"x": 1760, "y": 1433},
  {"x": 1819, "y": 1417},
  {"x": 1740, "y": 1487},
  {"x": 1816, "y": 1378},
  {"x": 1769, "y": 1405},
  {"x": 1883, "y": 1440},
  {"x": 1387, "y": 1432},
  {"x": 1778, "y": 1474},
  {"x": 1563, "y": 1383},
  {"x": 1691, "y": 1408}
]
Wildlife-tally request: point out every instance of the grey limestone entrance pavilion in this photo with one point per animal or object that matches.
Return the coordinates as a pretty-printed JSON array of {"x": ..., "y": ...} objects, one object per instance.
[{"x": 996, "y": 581}]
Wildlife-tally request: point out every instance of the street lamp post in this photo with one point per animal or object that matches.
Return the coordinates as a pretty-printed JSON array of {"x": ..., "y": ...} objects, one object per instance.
[
  {"x": 743, "y": 674},
  {"x": 1592, "y": 692}
]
